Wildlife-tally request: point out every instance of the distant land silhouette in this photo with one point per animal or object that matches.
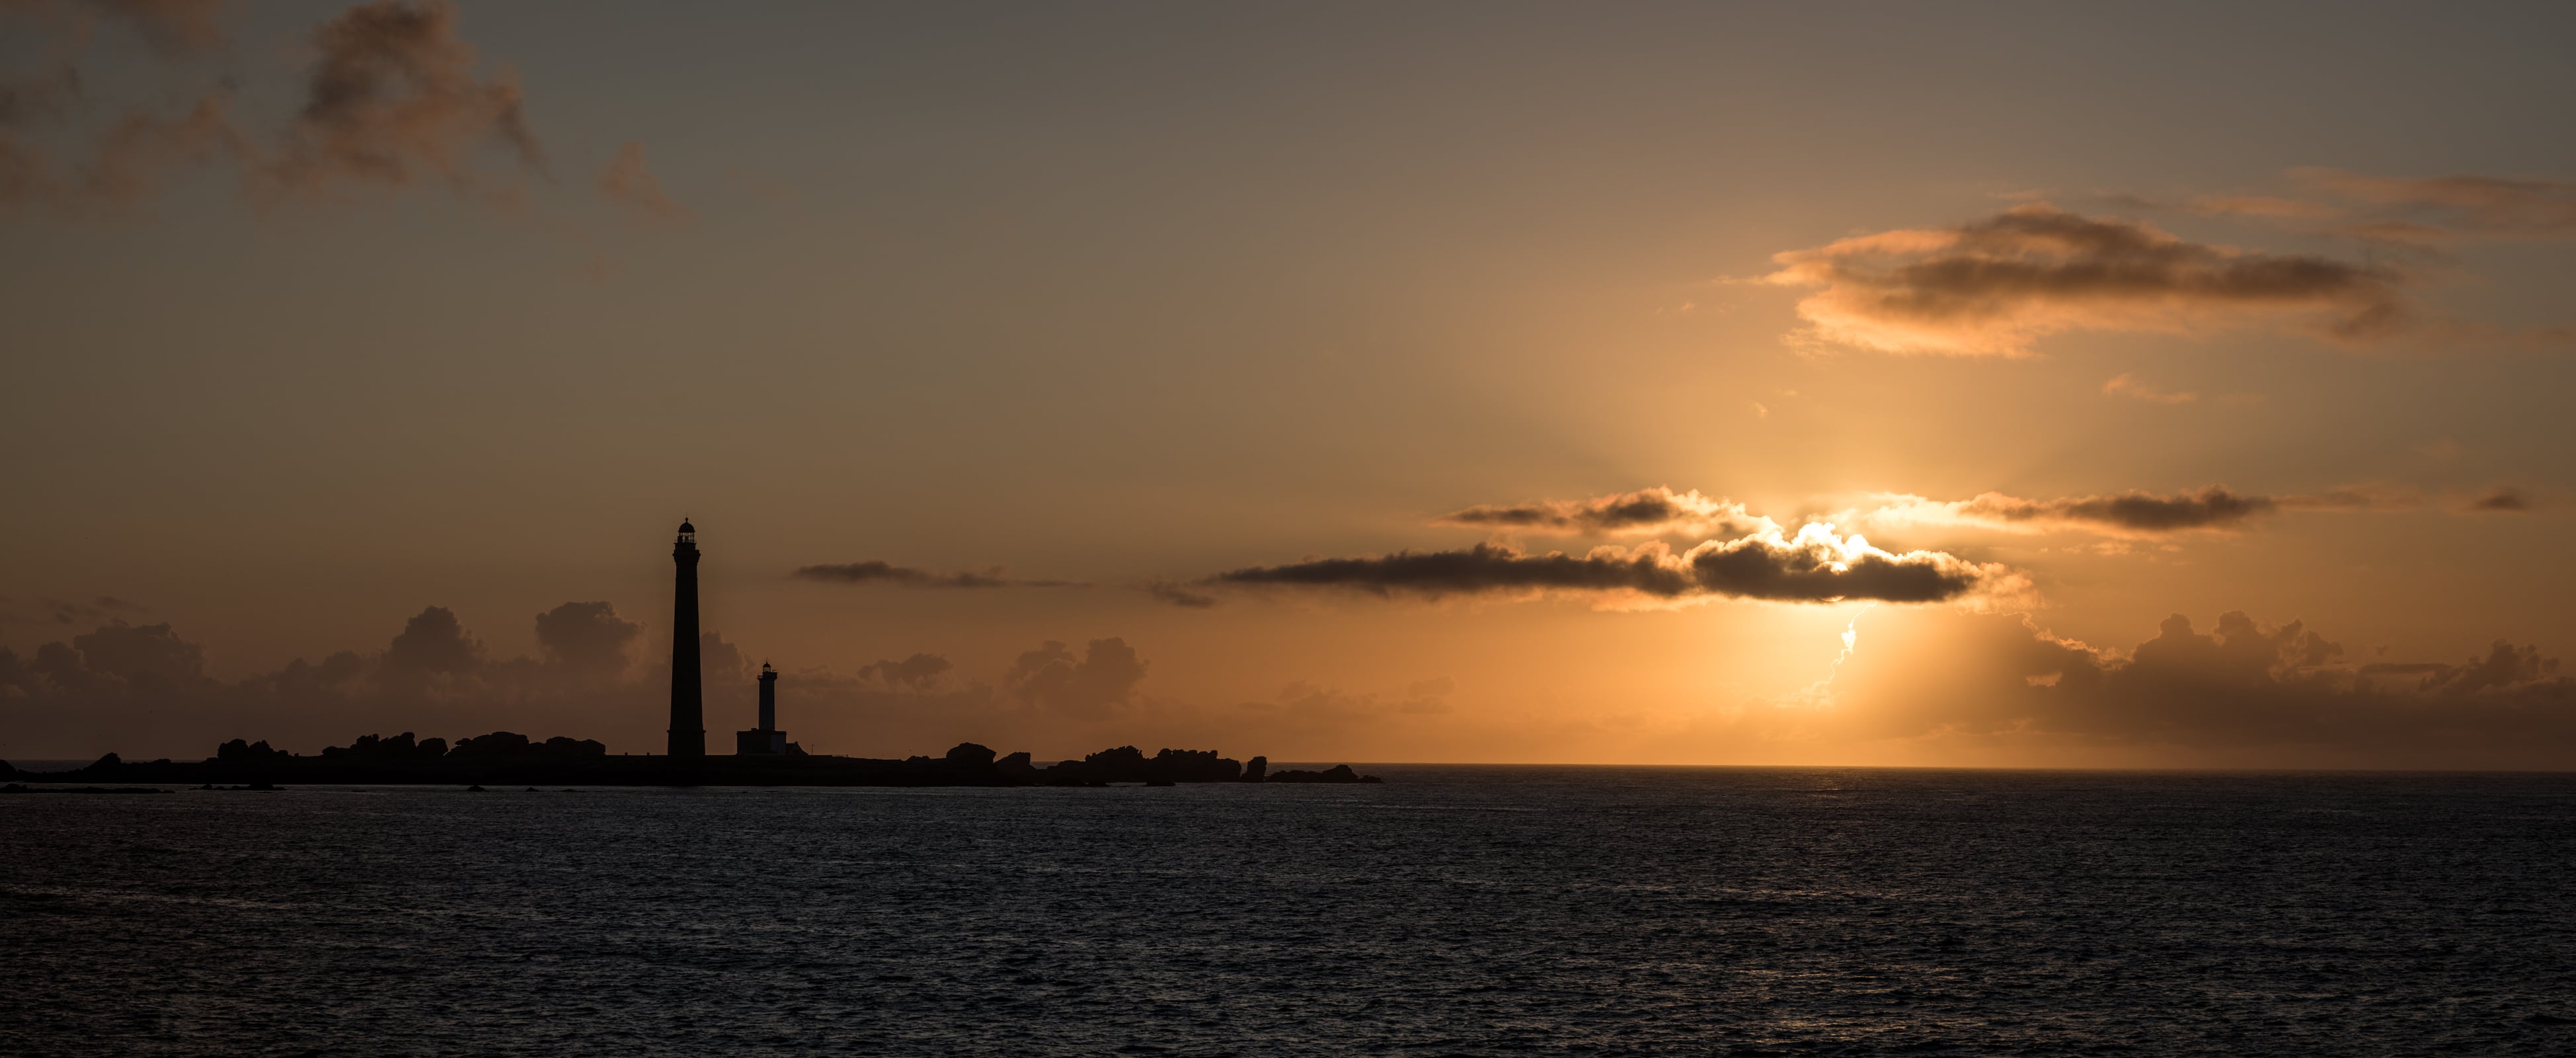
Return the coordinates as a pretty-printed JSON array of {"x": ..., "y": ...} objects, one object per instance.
[
  {"x": 763, "y": 757},
  {"x": 504, "y": 757}
]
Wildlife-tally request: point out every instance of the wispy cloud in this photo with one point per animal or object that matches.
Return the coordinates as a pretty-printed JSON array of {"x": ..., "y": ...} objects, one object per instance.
[
  {"x": 2504, "y": 499},
  {"x": 2444, "y": 207},
  {"x": 2127, "y": 385},
  {"x": 875, "y": 571},
  {"x": 629, "y": 183},
  {"x": 2133, "y": 513}
]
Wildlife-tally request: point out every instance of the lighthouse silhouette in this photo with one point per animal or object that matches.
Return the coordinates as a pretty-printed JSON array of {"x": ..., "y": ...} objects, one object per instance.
[{"x": 688, "y": 703}]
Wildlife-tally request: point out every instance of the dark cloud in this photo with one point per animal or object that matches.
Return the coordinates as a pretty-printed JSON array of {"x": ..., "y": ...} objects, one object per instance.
[
  {"x": 918, "y": 672},
  {"x": 2134, "y": 513},
  {"x": 122, "y": 658},
  {"x": 393, "y": 98},
  {"x": 876, "y": 571},
  {"x": 433, "y": 642},
  {"x": 1051, "y": 677},
  {"x": 1994, "y": 286},
  {"x": 2502, "y": 500},
  {"x": 1655, "y": 510},
  {"x": 1814, "y": 566}
]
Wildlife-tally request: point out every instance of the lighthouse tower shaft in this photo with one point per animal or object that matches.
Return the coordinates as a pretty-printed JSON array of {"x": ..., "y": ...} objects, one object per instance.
[{"x": 688, "y": 703}]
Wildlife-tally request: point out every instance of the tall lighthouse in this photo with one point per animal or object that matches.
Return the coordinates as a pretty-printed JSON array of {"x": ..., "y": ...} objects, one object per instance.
[{"x": 688, "y": 705}]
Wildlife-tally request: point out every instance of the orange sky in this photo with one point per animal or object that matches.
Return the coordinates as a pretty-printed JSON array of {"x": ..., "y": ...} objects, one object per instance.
[{"x": 1463, "y": 383}]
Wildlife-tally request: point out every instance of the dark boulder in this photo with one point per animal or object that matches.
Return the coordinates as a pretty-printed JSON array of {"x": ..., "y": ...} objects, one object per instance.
[
  {"x": 970, "y": 755},
  {"x": 1017, "y": 766},
  {"x": 1257, "y": 770},
  {"x": 1191, "y": 765}
]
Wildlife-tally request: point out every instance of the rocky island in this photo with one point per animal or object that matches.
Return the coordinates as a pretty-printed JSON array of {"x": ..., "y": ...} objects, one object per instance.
[{"x": 504, "y": 757}]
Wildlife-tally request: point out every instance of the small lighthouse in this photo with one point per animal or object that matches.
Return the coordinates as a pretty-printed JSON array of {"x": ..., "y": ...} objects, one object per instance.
[
  {"x": 766, "y": 740},
  {"x": 688, "y": 724}
]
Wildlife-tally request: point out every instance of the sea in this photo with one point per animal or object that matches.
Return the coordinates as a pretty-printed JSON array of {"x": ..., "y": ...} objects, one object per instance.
[{"x": 1453, "y": 910}]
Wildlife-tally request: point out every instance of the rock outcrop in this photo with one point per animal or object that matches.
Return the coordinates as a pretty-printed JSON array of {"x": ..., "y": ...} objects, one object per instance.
[{"x": 1336, "y": 773}]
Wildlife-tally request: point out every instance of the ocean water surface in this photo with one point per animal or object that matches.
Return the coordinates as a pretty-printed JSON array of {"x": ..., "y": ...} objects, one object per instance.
[{"x": 1454, "y": 910}]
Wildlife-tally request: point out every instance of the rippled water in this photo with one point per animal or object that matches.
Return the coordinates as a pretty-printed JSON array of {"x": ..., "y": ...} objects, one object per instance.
[{"x": 1453, "y": 910}]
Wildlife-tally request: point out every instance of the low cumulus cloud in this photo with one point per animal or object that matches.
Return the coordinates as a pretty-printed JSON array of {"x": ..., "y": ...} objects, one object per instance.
[
  {"x": 2243, "y": 691},
  {"x": 877, "y": 571},
  {"x": 587, "y": 638},
  {"x": 1643, "y": 512},
  {"x": 919, "y": 672},
  {"x": 146, "y": 687},
  {"x": 1994, "y": 287},
  {"x": 145, "y": 690},
  {"x": 1104, "y": 677},
  {"x": 1815, "y": 565}
]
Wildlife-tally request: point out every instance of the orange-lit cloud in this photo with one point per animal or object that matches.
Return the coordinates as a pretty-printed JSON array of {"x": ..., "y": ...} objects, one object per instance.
[
  {"x": 875, "y": 571},
  {"x": 1993, "y": 287},
  {"x": 1816, "y": 565},
  {"x": 1643, "y": 512},
  {"x": 2127, "y": 385}
]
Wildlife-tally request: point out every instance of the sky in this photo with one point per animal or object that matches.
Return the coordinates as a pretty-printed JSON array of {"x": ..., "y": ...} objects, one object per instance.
[{"x": 1960, "y": 385}]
